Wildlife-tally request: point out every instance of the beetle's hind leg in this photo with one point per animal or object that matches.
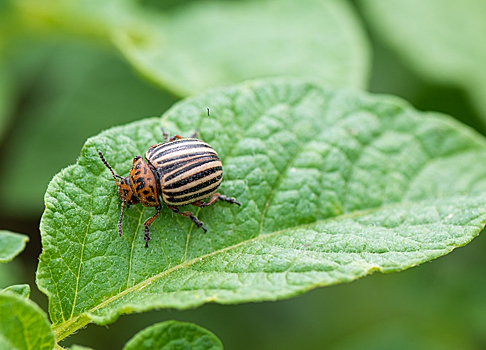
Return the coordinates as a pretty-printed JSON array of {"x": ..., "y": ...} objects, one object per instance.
[
  {"x": 214, "y": 198},
  {"x": 189, "y": 215}
]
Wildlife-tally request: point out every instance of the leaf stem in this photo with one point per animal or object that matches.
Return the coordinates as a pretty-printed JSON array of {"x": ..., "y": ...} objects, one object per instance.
[{"x": 67, "y": 328}]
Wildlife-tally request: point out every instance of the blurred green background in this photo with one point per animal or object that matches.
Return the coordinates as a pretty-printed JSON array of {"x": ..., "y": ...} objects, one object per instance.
[{"x": 69, "y": 71}]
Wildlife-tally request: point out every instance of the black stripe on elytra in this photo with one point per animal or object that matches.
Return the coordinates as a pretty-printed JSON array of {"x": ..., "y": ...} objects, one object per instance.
[
  {"x": 203, "y": 161},
  {"x": 170, "y": 144},
  {"x": 193, "y": 196},
  {"x": 167, "y": 144},
  {"x": 176, "y": 149},
  {"x": 200, "y": 160},
  {"x": 198, "y": 187},
  {"x": 195, "y": 177},
  {"x": 186, "y": 155}
]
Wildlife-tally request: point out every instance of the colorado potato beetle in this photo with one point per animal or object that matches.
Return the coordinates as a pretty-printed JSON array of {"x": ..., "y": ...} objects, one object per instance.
[{"x": 179, "y": 171}]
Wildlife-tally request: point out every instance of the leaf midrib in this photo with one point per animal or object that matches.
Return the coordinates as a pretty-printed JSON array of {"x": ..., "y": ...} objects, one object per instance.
[{"x": 66, "y": 328}]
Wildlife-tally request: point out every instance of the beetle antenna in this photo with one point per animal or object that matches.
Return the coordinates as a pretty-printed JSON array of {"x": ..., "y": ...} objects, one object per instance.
[
  {"x": 120, "y": 221},
  {"x": 115, "y": 176}
]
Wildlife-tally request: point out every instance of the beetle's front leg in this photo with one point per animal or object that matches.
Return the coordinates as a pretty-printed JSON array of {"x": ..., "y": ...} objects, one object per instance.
[
  {"x": 121, "y": 218},
  {"x": 147, "y": 223}
]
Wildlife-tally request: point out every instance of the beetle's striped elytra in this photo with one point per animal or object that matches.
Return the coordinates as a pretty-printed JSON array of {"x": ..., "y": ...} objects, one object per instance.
[
  {"x": 189, "y": 170},
  {"x": 180, "y": 170}
]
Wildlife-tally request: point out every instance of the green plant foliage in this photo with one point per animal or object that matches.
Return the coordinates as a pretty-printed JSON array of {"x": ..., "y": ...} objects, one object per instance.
[
  {"x": 21, "y": 289},
  {"x": 206, "y": 44},
  {"x": 23, "y": 324},
  {"x": 441, "y": 39},
  {"x": 11, "y": 244},
  {"x": 335, "y": 184},
  {"x": 173, "y": 335}
]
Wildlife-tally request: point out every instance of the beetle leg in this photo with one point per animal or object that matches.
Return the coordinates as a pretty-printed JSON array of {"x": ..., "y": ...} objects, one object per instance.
[
  {"x": 120, "y": 220},
  {"x": 189, "y": 215},
  {"x": 195, "y": 134},
  {"x": 147, "y": 223},
  {"x": 165, "y": 134},
  {"x": 175, "y": 137},
  {"x": 214, "y": 198}
]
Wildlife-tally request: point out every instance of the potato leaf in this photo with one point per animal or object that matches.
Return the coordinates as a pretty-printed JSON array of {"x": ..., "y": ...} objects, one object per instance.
[
  {"x": 23, "y": 325},
  {"x": 335, "y": 184},
  {"x": 20, "y": 289},
  {"x": 173, "y": 335},
  {"x": 209, "y": 43},
  {"x": 440, "y": 39},
  {"x": 11, "y": 245}
]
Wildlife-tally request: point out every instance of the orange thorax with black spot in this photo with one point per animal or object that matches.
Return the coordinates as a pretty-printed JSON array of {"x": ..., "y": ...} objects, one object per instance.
[{"x": 144, "y": 183}]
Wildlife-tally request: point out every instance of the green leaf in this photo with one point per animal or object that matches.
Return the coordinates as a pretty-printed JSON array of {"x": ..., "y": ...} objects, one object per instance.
[
  {"x": 173, "y": 335},
  {"x": 207, "y": 44},
  {"x": 11, "y": 244},
  {"x": 23, "y": 324},
  {"x": 440, "y": 39},
  {"x": 21, "y": 289},
  {"x": 335, "y": 184}
]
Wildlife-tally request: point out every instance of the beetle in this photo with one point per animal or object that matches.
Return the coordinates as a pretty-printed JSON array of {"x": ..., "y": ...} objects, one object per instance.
[{"x": 177, "y": 172}]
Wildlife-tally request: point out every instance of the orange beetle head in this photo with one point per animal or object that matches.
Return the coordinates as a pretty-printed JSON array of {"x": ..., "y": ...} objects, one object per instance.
[
  {"x": 124, "y": 190},
  {"x": 140, "y": 186},
  {"x": 123, "y": 183}
]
